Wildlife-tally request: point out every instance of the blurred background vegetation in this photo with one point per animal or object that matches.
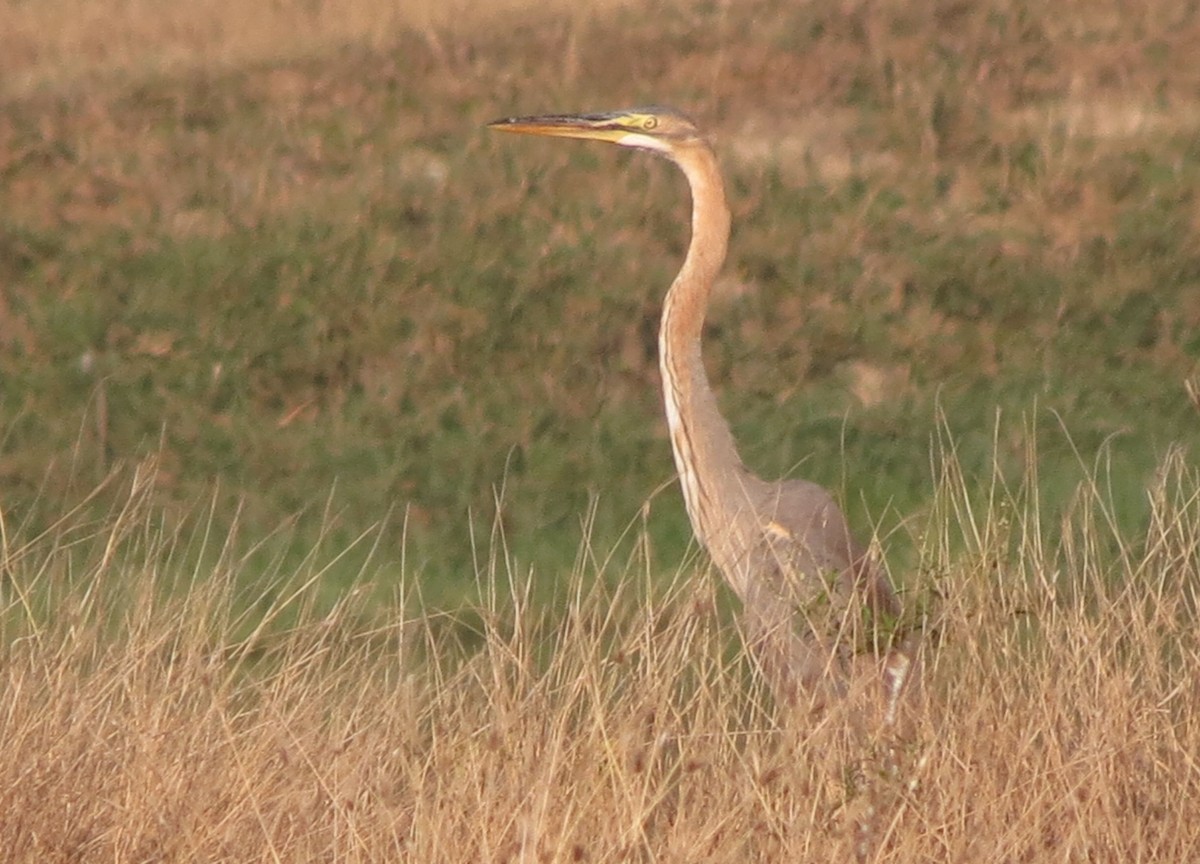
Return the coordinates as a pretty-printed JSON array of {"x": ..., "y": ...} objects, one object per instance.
[{"x": 295, "y": 273}]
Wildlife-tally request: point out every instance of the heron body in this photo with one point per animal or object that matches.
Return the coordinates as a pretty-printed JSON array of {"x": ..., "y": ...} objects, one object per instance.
[{"x": 783, "y": 547}]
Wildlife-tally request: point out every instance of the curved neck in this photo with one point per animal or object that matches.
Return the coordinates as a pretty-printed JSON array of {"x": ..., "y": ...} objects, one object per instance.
[
  {"x": 687, "y": 300},
  {"x": 705, "y": 453}
]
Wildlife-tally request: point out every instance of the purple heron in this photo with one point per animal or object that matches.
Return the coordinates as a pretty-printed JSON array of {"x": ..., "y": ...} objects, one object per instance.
[{"x": 784, "y": 547}]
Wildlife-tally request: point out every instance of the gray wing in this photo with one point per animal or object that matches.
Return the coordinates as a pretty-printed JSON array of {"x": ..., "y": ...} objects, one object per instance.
[
  {"x": 807, "y": 535},
  {"x": 800, "y": 613}
]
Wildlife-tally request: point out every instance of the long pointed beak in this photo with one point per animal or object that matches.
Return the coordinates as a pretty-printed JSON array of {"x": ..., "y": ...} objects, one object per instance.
[{"x": 597, "y": 127}]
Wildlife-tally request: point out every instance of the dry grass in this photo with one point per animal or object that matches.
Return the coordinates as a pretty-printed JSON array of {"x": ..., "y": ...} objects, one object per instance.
[
  {"x": 147, "y": 724},
  {"x": 57, "y": 42}
]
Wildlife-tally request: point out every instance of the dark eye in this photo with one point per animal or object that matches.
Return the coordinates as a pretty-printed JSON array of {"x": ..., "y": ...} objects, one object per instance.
[{"x": 650, "y": 123}]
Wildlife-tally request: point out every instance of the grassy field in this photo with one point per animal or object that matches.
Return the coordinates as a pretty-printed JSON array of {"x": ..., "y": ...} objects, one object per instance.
[
  {"x": 293, "y": 352},
  {"x": 318, "y": 282}
]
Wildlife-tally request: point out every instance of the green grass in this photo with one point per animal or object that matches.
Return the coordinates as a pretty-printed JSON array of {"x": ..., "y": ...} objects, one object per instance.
[{"x": 322, "y": 289}]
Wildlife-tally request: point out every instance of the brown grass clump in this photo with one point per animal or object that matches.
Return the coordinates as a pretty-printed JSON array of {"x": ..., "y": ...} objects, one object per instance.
[{"x": 146, "y": 718}]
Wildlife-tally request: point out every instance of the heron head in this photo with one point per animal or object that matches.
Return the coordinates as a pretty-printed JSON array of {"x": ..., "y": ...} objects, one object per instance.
[{"x": 656, "y": 128}]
